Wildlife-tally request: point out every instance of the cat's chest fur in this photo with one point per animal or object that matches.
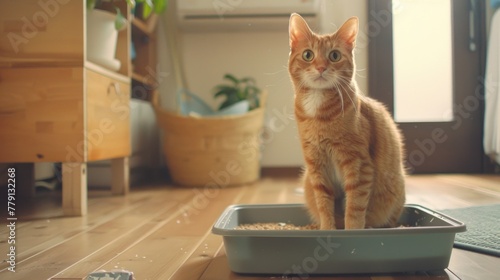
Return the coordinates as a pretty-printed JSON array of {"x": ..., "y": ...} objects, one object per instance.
[
  {"x": 312, "y": 102},
  {"x": 320, "y": 138},
  {"x": 328, "y": 164}
]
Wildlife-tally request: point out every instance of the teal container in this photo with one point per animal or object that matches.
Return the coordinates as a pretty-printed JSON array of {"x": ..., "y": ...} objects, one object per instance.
[{"x": 424, "y": 244}]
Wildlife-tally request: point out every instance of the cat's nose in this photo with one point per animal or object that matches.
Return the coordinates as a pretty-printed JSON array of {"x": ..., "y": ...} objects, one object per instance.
[{"x": 321, "y": 69}]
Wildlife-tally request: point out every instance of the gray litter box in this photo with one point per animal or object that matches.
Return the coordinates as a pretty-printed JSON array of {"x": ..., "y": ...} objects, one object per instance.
[{"x": 424, "y": 244}]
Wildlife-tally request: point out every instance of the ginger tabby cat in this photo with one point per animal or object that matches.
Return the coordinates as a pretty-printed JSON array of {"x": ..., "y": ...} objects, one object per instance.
[{"x": 353, "y": 151}]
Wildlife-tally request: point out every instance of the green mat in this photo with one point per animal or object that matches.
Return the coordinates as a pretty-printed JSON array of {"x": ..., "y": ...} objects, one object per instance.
[{"x": 483, "y": 228}]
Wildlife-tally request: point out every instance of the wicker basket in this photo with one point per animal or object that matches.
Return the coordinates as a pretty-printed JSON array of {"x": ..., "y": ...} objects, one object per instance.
[{"x": 212, "y": 151}]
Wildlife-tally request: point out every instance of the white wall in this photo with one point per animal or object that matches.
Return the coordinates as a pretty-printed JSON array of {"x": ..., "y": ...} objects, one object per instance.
[{"x": 264, "y": 56}]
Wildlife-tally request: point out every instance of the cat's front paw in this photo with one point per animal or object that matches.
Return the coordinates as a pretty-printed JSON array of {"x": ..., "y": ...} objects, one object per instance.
[
  {"x": 354, "y": 224},
  {"x": 327, "y": 226}
]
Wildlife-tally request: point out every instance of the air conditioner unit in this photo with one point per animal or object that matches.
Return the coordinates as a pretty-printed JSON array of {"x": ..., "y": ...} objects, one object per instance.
[{"x": 244, "y": 15}]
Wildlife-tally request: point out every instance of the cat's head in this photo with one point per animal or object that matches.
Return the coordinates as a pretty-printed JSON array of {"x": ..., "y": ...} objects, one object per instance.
[{"x": 321, "y": 61}]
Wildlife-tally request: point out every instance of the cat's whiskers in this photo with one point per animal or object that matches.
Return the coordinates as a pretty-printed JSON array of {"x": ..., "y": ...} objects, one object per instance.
[
  {"x": 341, "y": 98},
  {"x": 344, "y": 72},
  {"x": 347, "y": 82},
  {"x": 360, "y": 70},
  {"x": 285, "y": 69},
  {"x": 344, "y": 82},
  {"x": 279, "y": 77},
  {"x": 301, "y": 86}
]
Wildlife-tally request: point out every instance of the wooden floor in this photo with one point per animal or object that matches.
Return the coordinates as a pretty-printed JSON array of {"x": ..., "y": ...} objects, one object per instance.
[{"x": 164, "y": 232}]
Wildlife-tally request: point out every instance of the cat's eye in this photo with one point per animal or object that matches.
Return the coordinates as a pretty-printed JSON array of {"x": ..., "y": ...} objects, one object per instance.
[
  {"x": 307, "y": 55},
  {"x": 334, "y": 56}
]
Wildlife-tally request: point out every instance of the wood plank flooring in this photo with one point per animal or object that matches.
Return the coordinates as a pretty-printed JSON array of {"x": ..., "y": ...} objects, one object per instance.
[{"x": 163, "y": 232}]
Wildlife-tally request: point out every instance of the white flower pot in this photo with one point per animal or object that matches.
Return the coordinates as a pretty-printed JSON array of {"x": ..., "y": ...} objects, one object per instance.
[{"x": 101, "y": 39}]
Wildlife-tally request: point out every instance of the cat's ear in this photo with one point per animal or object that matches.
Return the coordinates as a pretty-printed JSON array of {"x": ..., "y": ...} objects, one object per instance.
[
  {"x": 348, "y": 31},
  {"x": 298, "y": 30}
]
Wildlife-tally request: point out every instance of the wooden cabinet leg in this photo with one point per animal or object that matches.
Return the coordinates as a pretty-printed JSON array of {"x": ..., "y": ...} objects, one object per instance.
[
  {"x": 74, "y": 188},
  {"x": 120, "y": 183}
]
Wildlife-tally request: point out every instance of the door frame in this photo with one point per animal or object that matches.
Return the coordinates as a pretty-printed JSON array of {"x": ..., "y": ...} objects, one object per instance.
[{"x": 434, "y": 143}]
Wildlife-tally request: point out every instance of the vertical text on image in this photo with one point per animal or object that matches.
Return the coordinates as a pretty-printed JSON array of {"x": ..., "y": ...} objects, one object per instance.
[{"x": 11, "y": 218}]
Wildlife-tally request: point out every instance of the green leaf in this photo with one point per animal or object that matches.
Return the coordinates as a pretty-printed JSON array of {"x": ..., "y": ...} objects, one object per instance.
[
  {"x": 225, "y": 87},
  {"x": 227, "y": 94},
  {"x": 243, "y": 89},
  {"x": 225, "y": 104},
  {"x": 91, "y": 4},
  {"x": 247, "y": 92},
  {"x": 120, "y": 20},
  {"x": 232, "y": 78},
  {"x": 225, "y": 90},
  {"x": 230, "y": 101},
  {"x": 147, "y": 8},
  {"x": 248, "y": 80},
  {"x": 242, "y": 94},
  {"x": 160, "y": 6}
]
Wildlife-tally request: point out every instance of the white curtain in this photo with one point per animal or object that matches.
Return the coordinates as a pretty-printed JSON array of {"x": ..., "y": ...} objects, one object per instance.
[{"x": 492, "y": 92}]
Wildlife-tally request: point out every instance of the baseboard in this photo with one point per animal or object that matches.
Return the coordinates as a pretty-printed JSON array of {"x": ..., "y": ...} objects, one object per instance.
[{"x": 293, "y": 171}]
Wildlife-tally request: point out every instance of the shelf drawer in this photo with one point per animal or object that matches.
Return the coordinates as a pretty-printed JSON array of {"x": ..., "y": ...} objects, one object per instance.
[
  {"x": 41, "y": 114},
  {"x": 108, "y": 117},
  {"x": 62, "y": 115}
]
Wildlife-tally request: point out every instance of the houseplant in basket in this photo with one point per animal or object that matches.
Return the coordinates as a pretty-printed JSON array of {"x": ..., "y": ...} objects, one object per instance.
[
  {"x": 239, "y": 91},
  {"x": 214, "y": 151}
]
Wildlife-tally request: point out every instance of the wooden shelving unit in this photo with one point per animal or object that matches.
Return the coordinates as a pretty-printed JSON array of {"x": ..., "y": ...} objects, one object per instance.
[
  {"x": 144, "y": 65},
  {"x": 55, "y": 105}
]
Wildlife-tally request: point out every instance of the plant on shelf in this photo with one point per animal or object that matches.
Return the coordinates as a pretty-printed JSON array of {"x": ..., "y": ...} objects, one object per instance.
[
  {"x": 103, "y": 27},
  {"x": 238, "y": 90},
  {"x": 148, "y": 6}
]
